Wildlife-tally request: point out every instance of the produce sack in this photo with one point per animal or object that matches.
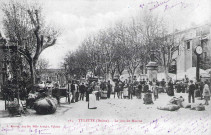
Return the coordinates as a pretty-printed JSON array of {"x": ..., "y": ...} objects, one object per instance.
[
  {"x": 45, "y": 105},
  {"x": 186, "y": 105},
  {"x": 200, "y": 107},
  {"x": 174, "y": 100},
  {"x": 169, "y": 107},
  {"x": 170, "y": 92},
  {"x": 180, "y": 101},
  {"x": 31, "y": 100},
  {"x": 177, "y": 101},
  {"x": 197, "y": 93},
  {"x": 148, "y": 98}
]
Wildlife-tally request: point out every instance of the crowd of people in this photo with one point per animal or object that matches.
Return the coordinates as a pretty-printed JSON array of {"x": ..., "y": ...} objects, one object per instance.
[
  {"x": 129, "y": 89},
  {"x": 200, "y": 89},
  {"x": 121, "y": 89}
]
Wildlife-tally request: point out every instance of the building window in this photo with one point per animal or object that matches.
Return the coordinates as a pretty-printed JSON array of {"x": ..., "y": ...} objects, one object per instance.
[
  {"x": 204, "y": 43},
  {"x": 188, "y": 45}
]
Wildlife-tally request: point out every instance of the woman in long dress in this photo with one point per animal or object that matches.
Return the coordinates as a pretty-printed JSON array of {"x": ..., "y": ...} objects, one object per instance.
[
  {"x": 170, "y": 91},
  {"x": 206, "y": 93},
  {"x": 155, "y": 90},
  {"x": 125, "y": 90}
]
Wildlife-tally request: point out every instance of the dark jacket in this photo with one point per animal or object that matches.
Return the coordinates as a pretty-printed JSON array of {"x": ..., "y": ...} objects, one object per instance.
[
  {"x": 82, "y": 88},
  {"x": 140, "y": 87},
  {"x": 72, "y": 87},
  {"x": 192, "y": 87}
]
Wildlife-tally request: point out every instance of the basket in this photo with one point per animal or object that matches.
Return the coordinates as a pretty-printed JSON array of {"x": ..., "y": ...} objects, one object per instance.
[{"x": 14, "y": 109}]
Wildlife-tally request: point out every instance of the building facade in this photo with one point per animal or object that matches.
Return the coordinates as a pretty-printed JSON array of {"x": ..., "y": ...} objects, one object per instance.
[
  {"x": 53, "y": 75},
  {"x": 187, "y": 41},
  {"x": 2, "y": 61}
]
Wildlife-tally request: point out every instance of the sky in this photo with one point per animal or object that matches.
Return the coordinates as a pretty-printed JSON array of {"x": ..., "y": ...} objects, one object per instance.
[{"x": 79, "y": 18}]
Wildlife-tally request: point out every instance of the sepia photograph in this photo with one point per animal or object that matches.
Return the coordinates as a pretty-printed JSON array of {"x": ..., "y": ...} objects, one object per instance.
[{"x": 105, "y": 67}]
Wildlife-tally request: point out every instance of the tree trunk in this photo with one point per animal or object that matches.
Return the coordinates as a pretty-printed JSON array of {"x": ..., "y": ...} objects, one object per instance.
[
  {"x": 166, "y": 73},
  {"x": 133, "y": 73},
  {"x": 112, "y": 75},
  {"x": 32, "y": 70}
]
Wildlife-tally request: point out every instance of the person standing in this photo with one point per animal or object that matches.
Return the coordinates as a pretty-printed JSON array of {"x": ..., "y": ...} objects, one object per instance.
[
  {"x": 77, "y": 94},
  {"x": 73, "y": 92},
  {"x": 116, "y": 89},
  {"x": 88, "y": 89},
  {"x": 109, "y": 88},
  {"x": 125, "y": 89},
  {"x": 146, "y": 88},
  {"x": 130, "y": 91},
  {"x": 170, "y": 91},
  {"x": 97, "y": 89},
  {"x": 155, "y": 89},
  {"x": 150, "y": 86},
  {"x": 143, "y": 82},
  {"x": 82, "y": 90},
  {"x": 163, "y": 85},
  {"x": 179, "y": 87},
  {"x": 139, "y": 90},
  {"x": 201, "y": 88},
  {"x": 68, "y": 91},
  {"x": 206, "y": 93},
  {"x": 191, "y": 90},
  {"x": 121, "y": 85}
]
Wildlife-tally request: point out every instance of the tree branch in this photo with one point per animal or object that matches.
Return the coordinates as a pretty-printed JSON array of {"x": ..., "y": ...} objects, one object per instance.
[{"x": 48, "y": 44}]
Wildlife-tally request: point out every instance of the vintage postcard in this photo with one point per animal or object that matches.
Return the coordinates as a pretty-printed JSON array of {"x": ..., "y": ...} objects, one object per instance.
[{"x": 105, "y": 67}]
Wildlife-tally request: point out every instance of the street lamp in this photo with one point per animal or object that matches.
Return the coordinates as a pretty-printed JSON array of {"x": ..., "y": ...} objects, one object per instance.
[{"x": 198, "y": 52}]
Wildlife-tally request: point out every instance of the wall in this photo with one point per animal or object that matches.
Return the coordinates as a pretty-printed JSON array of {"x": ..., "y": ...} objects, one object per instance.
[
  {"x": 2, "y": 43},
  {"x": 186, "y": 58}
]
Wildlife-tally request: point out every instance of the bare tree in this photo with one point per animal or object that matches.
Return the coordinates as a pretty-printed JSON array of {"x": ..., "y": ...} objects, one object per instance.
[
  {"x": 24, "y": 25},
  {"x": 42, "y": 64},
  {"x": 127, "y": 46}
]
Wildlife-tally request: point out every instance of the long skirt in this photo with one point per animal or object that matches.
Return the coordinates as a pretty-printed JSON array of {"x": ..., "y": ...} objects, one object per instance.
[
  {"x": 92, "y": 101},
  {"x": 125, "y": 92},
  {"x": 170, "y": 92}
]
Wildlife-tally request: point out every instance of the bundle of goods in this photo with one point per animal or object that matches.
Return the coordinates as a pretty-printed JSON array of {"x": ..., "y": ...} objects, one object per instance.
[
  {"x": 14, "y": 108},
  {"x": 148, "y": 98},
  {"x": 197, "y": 93},
  {"x": 186, "y": 105},
  {"x": 169, "y": 107},
  {"x": 45, "y": 105},
  {"x": 198, "y": 107},
  {"x": 173, "y": 105},
  {"x": 31, "y": 99},
  {"x": 177, "y": 101},
  {"x": 170, "y": 92},
  {"x": 103, "y": 94}
]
